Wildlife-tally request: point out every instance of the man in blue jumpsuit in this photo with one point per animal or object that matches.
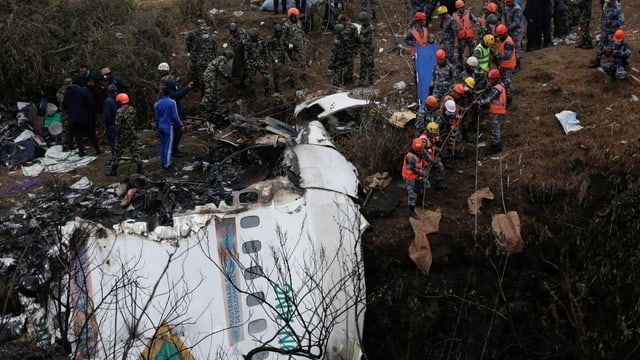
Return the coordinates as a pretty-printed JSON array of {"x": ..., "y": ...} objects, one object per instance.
[{"x": 166, "y": 113}]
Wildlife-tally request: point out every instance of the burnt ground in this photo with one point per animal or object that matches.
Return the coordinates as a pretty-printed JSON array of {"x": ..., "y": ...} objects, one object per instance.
[{"x": 571, "y": 292}]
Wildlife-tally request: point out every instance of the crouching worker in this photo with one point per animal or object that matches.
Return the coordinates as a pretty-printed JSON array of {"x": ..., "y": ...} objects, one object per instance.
[
  {"x": 413, "y": 175},
  {"x": 166, "y": 114},
  {"x": 619, "y": 52}
]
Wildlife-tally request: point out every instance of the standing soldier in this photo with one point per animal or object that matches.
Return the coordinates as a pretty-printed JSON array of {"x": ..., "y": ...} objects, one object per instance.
[
  {"x": 367, "y": 50},
  {"x": 339, "y": 63},
  {"x": 449, "y": 33},
  {"x": 413, "y": 175},
  {"x": 237, "y": 40},
  {"x": 513, "y": 19},
  {"x": 126, "y": 137},
  {"x": 506, "y": 59},
  {"x": 444, "y": 75},
  {"x": 467, "y": 23},
  {"x": 351, "y": 37},
  {"x": 497, "y": 100},
  {"x": 612, "y": 20},
  {"x": 202, "y": 50},
  {"x": 295, "y": 39},
  {"x": 583, "y": 8},
  {"x": 67, "y": 136},
  {"x": 215, "y": 70},
  {"x": 255, "y": 55},
  {"x": 277, "y": 48}
]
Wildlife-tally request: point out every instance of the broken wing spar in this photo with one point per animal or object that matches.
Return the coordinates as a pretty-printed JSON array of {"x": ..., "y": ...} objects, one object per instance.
[{"x": 277, "y": 272}]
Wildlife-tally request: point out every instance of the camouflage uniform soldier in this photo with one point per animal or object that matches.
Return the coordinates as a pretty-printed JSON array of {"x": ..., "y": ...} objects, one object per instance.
[
  {"x": 216, "y": 69},
  {"x": 444, "y": 75},
  {"x": 295, "y": 39},
  {"x": 165, "y": 75},
  {"x": 277, "y": 48},
  {"x": 202, "y": 50},
  {"x": 583, "y": 9},
  {"x": 255, "y": 55},
  {"x": 351, "y": 37},
  {"x": 367, "y": 49},
  {"x": 237, "y": 38},
  {"x": 126, "y": 136},
  {"x": 449, "y": 33},
  {"x": 491, "y": 21},
  {"x": 513, "y": 18},
  {"x": 339, "y": 53},
  {"x": 612, "y": 20},
  {"x": 67, "y": 136},
  {"x": 619, "y": 52}
]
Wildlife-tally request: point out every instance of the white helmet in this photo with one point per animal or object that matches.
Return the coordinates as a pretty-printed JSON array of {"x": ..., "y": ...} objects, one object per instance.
[
  {"x": 450, "y": 105},
  {"x": 472, "y": 61},
  {"x": 163, "y": 66}
]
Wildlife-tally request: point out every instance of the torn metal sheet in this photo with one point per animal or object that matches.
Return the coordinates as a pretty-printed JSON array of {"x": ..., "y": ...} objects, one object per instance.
[
  {"x": 276, "y": 270},
  {"x": 402, "y": 118},
  {"x": 334, "y": 108}
]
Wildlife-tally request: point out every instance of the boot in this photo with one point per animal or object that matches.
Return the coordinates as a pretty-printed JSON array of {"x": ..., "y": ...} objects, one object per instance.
[
  {"x": 495, "y": 148},
  {"x": 594, "y": 64},
  {"x": 113, "y": 171},
  {"x": 412, "y": 213},
  {"x": 517, "y": 68}
]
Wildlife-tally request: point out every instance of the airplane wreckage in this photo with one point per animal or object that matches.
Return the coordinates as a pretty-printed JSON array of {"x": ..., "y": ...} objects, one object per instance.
[{"x": 271, "y": 268}]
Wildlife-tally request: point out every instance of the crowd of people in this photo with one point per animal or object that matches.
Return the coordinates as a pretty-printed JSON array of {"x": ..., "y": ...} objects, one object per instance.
[{"x": 478, "y": 83}]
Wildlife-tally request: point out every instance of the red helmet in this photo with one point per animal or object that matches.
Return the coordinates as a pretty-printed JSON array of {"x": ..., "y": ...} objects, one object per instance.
[
  {"x": 618, "y": 35},
  {"x": 494, "y": 74},
  {"x": 122, "y": 98},
  {"x": 420, "y": 16},
  {"x": 441, "y": 54},
  {"x": 432, "y": 101},
  {"x": 492, "y": 7},
  {"x": 417, "y": 145},
  {"x": 293, "y": 11},
  {"x": 459, "y": 89},
  {"x": 501, "y": 29},
  {"x": 459, "y": 4}
]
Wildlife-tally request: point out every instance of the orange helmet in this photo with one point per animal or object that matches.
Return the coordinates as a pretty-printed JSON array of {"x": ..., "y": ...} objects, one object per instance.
[
  {"x": 494, "y": 74},
  {"x": 420, "y": 16},
  {"x": 501, "y": 29},
  {"x": 417, "y": 145},
  {"x": 618, "y": 35},
  {"x": 441, "y": 54},
  {"x": 492, "y": 7},
  {"x": 122, "y": 98},
  {"x": 458, "y": 88},
  {"x": 432, "y": 101},
  {"x": 293, "y": 11},
  {"x": 459, "y": 4}
]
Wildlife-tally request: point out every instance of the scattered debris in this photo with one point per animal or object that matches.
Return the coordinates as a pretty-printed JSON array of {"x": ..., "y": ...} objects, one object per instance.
[
  {"x": 420, "y": 249},
  {"x": 507, "y": 230},
  {"x": 401, "y": 85},
  {"x": 340, "y": 111},
  {"x": 402, "y": 118},
  {"x": 474, "y": 202},
  {"x": 569, "y": 121}
]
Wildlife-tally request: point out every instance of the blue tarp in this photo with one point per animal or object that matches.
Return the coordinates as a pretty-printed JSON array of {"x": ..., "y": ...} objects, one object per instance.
[{"x": 425, "y": 61}]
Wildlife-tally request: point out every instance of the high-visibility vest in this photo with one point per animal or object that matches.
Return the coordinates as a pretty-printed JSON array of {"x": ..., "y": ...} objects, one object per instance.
[
  {"x": 484, "y": 59},
  {"x": 407, "y": 173},
  {"x": 499, "y": 104},
  {"x": 511, "y": 62},
  {"x": 429, "y": 144},
  {"x": 465, "y": 25},
  {"x": 421, "y": 40}
]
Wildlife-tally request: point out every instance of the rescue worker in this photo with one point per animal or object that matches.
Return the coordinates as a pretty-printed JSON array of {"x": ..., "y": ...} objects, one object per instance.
[
  {"x": 413, "y": 175},
  {"x": 277, "y": 49},
  {"x": 202, "y": 50},
  {"x": 513, "y": 19},
  {"x": 78, "y": 101},
  {"x": 237, "y": 38},
  {"x": 126, "y": 137},
  {"x": 612, "y": 20},
  {"x": 489, "y": 9},
  {"x": 67, "y": 135},
  {"x": 426, "y": 114},
  {"x": 583, "y": 8},
  {"x": 505, "y": 58},
  {"x": 367, "y": 50},
  {"x": 416, "y": 6},
  {"x": 490, "y": 24},
  {"x": 449, "y": 33},
  {"x": 255, "y": 56},
  {"x": 296, "y": 43},
  {"x": 482, "y": 52},
  {"x": 444, "y": 75},
  {"x": 350, "y": 37},
  {"x": 166, "y": 116},
  {"x": 431, "y": 153},
  {"x": 419, "y": 34},
  {"x": 339, "y": 62},
  {"x": 216, "y": 70},
  {"x": 109, "y": 110},
  {"x": 467, "y": 24},
  {"x": 451, "y": 121},
  {"x": 619, "y": 52},
  {"x": 165, "y": 75},
  {"x": 497, "y": 100}
]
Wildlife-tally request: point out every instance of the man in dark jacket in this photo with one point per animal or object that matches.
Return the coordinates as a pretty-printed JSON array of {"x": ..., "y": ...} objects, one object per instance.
[
  {"x": 79, "y": 101},
  {"x": 109, "y": 117},
  {"x": 538, "y": 14}
]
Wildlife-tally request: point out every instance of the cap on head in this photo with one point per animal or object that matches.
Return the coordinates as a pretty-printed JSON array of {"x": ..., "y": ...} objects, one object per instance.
[
  {"x": 450, "y": 106},
  {"x": 122, "y": 98},
  {"x": 432, "y": 101},
  {"x": 163, "y": 66},
  {"x": 433, "y": 127},
  {"x": 618, "y": 35},
  {"x": 501, "y": 30},
  {"x": 458, "y": 89},
  {"x": 338, "y": 28},
  {"x": 442, "y": 10},
  {"x": 253, "y": 33},
  {"x": 459, "y": 4},
  {"x": 489, "y": 40},
  {"x": 472, "y": 61},
  {"x": 492, "y": 7},
  {"x": 417, "y": 145},
  {"x": 420, "y": 16},
  {"x": 494, "y": 74},
  {"x": 441, "y": 54},
  {"x": 233, "y": 27},
  {"x": 293, "y": 11},
  {"x": 471, "y": 83},
  {"x": 363, "y": 16},
  {"x": 492, "y": 19}
]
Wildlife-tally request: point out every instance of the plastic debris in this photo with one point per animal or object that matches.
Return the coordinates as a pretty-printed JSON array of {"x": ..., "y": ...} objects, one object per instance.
[
  {"x": 569, "y": 121},
  {"x": 401, "y": 85}
]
